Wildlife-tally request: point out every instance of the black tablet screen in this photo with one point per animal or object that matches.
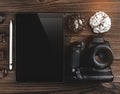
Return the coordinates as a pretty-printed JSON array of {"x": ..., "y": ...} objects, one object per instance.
[{"x": 39, "y": 47}]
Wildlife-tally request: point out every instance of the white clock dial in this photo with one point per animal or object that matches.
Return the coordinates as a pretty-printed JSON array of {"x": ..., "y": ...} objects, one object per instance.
[{"x": 100, "y": 22}]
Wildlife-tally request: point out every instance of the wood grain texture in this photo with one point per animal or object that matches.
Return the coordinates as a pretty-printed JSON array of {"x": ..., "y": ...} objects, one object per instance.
[
  {"x": 12, "y": 87},
  {"x": 87, "y": 8},
  {"x": 59, "y": 5}
]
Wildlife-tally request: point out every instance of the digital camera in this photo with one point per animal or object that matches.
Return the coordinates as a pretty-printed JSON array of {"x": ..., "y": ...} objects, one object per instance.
[{"x": 90, "y": 60}]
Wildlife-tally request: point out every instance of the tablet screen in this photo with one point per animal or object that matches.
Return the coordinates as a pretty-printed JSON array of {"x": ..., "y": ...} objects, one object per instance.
[{"x": 39, "y": 47}]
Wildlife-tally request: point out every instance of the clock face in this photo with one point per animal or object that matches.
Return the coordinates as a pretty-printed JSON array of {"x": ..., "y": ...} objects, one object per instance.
[{"x": 100, "y": 22}]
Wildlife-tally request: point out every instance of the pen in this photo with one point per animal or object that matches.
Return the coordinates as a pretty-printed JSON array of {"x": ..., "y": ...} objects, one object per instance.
[{"x": 10, "y": 44}]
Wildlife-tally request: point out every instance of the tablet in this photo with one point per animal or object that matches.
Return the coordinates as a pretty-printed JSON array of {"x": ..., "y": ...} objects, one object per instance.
[{"x": 39, "y": 47}]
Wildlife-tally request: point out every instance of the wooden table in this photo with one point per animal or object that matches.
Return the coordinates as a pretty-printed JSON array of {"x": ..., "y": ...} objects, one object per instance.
[
  {"x": 10, "y": 86},
  {"x": 87, "y": 8}
]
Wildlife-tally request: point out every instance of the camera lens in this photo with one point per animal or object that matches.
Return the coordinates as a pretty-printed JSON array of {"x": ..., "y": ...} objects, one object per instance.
[{"x": 102, "y": 56}]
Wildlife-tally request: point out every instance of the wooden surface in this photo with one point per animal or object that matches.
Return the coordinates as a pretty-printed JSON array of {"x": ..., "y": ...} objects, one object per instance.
[
  {"x": 59, "y": 5},
  {"x": 87, "y": 8},
  {"x": 12, "y": 87}
]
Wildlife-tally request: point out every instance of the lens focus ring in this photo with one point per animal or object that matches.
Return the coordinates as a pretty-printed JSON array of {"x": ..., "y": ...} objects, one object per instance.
[{"x": 102, "y": 56}]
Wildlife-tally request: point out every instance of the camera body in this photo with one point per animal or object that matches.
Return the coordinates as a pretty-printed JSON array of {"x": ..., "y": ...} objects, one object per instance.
[{"x": 91, "y": 60}]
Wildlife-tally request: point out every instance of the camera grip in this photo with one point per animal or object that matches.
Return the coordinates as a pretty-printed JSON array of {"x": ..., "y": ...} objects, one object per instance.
[{"x": 76, "y": 74}]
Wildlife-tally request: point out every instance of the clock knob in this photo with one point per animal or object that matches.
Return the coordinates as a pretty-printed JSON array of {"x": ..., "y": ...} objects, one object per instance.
[{"x": 100, "y": 22}]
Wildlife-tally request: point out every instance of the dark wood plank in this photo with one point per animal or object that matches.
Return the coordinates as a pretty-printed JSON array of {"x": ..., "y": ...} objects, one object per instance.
[
  {"x": 59, "y": 5},
  {"x": 116, "y": 71},
  {"x": 58, "y": 88},
  {"x": 105, "y": 88}
]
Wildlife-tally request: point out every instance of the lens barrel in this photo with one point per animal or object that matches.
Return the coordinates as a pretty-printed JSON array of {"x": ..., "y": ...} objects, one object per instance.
[{"x": 102, "y": 56}]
